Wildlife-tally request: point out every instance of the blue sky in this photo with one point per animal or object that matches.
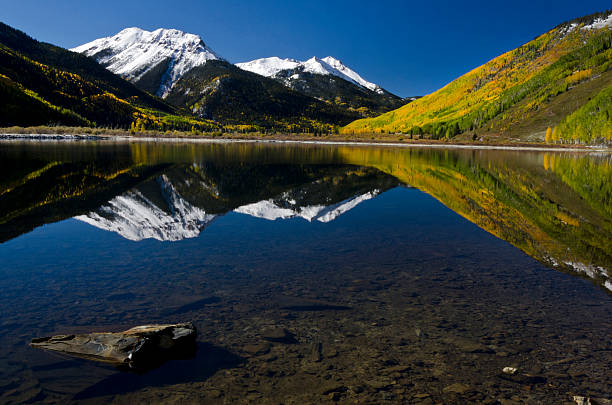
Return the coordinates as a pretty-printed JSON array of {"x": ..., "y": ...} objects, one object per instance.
[{"x": 408, "y": 47}]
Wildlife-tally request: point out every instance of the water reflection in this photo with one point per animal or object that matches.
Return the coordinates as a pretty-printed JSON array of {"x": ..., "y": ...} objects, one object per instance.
[
  {"x": 556, "y": 207},
  {"x": 180, "y": 203}
]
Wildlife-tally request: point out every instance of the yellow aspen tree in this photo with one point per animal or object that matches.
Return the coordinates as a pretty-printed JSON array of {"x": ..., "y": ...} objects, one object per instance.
[
  {"x": 555, "y": 135},
  {"x": 548, "y": 138}
]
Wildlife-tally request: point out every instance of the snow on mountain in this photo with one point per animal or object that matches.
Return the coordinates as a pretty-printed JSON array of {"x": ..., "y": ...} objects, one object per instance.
[
  {"x": 604, "y": 21},
  {"x": 135, "y": 217},
  {"x": 600, "y": 23},
  {"x": 271, "y": 67},
  {"x": 351, "y": 74},
  {"x": 270, "y": 210},
  {"x": 133, "y": 52}
]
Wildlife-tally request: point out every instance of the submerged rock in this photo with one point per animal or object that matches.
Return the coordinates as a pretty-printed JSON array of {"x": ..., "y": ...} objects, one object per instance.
[
  {"x": 140, "y": 348},
  {"x": 457, "y": 388},
  {"x": 278, "y": 334},
  {"x": 579, "y": 400},
  {"x": 509, "y": 370}
]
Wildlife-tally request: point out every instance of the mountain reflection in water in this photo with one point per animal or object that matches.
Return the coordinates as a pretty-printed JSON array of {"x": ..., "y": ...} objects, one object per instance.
[
  {"x": 180, "y": 203},
  {"x": 556, "y": 207}
]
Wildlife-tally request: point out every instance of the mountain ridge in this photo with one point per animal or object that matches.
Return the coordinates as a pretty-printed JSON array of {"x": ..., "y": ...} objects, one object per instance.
[
  {"x": 327, "y": 79},
  {"x": 42, "y": 84},
  {"x": 224, "y": 93}
]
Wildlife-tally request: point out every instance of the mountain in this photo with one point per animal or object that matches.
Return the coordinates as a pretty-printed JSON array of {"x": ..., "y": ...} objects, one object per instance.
[
  {"x": 327, "y": 79},
  {"x": 553, "y": 206},
  {"x": 271, "y": 67},
  {"x": 153, "y": 60},
  {"x": 51, "y": 189},
  {"x": 222, "y": 92},
  {"x": 180, "y": 68},
  {"x": 43, "y": 84},
  {"x": 560, "y": 80}
]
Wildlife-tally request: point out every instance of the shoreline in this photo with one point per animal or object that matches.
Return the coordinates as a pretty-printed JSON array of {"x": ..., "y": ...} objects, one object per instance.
[{"x": 7, "y": 137}]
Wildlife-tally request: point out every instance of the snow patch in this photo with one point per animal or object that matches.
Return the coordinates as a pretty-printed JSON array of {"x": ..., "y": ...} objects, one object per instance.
[
  {"x": 599, "y": 23},
  {"x": 272, "y": 66},
  {"x": 589, "y": 270},
  {"x": 345, "y": 206},
  {"x": 269, "y": 67}
]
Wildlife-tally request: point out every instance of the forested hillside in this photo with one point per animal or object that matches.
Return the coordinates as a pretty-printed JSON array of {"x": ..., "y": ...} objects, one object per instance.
[
  {"x": 222, "y": 92},
  {"x": 560, "y": 79},
  {"x": 41, "y": 84}
]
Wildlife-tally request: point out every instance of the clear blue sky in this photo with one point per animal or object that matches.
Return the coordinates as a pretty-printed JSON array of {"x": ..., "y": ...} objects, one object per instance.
[{"x": 408, "y": 47}]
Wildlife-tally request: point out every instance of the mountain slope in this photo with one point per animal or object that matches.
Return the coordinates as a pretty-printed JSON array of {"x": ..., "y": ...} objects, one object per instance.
[
  {"x": 508, "y": 94},
  {"x": 222, "y": 92},
  {"x": 75, "y": 63},
  {"x": 553, "y": 206},
  {"x": 327, "y": 79},
  {"x": 50, "y": 191},
  {"x": 154, "y": 60},
  {"x": 43, "y": 84}
]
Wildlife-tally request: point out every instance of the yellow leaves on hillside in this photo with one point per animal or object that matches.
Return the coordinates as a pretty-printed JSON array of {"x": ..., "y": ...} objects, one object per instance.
[
  {"x": 567, "y": 219},
  {"x": 479, "y": 88},
  {"x": 579, "y": 76}
]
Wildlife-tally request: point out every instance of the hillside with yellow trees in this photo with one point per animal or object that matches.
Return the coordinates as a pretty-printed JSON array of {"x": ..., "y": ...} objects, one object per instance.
[
  {"x": 559, "y": 83},
  {"x": 42, "y": 84}
]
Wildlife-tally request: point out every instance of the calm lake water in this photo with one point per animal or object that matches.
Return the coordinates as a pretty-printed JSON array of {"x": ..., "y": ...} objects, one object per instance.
[{"x": 397, "y": 275}]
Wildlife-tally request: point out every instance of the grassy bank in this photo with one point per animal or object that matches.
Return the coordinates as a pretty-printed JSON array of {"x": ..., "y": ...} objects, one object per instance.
[{"x": 490, "y": 139}]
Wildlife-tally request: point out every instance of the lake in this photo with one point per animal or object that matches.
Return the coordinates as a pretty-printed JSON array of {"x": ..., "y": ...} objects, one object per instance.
[{"x": 391, "y": 275}]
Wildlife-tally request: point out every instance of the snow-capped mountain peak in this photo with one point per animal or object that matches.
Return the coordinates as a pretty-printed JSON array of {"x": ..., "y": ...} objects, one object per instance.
[
  {"x": 272, "y": 66},
  {"x": 133, "y": 52},
  {"x": 269, "y": 67},
  {"x": 351, "y": 74}
]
